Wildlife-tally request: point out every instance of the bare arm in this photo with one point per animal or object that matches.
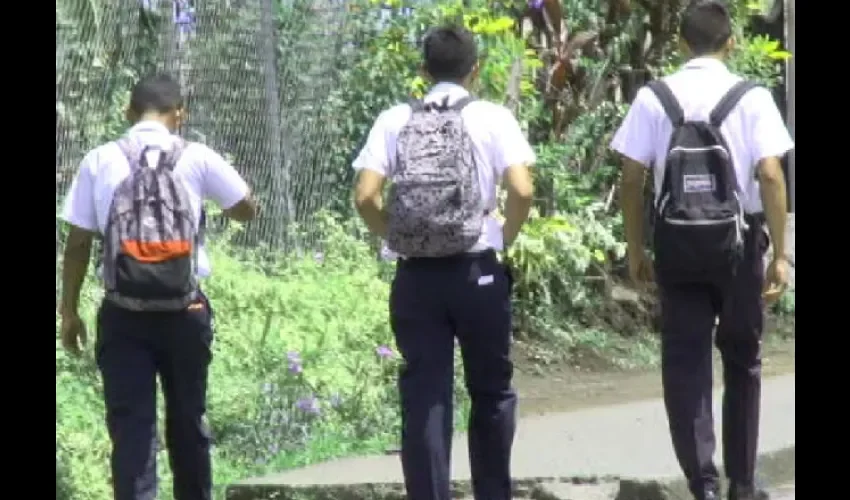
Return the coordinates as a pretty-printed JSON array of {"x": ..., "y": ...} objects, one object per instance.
[
  {"x": 75, "y": 264},
  {"x": 774, "y": 198},
  {"x": 635, "y": 140},
  {"x": 223, "y": 184},
  {"x": 769, "y": 141},
  {"x": 80, "y": 213},
  {"x": 631, "y": 194},
  {"x": 244, "y": 210},
  {"x": 513, "y": 159},
  {"x": 373, "y": 166},
  {"x": 520, "y": 188},
  {"x": 369, "y": 201}
]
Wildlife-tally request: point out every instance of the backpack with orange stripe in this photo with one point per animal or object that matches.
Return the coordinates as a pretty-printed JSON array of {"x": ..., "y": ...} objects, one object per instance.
[{"x": 150, "y": 244}]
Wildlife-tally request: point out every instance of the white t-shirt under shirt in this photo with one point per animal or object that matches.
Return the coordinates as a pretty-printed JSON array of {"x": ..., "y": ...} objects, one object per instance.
[
  {"x": 204, "y": 172},
  {"x": 497, "y": 141}
]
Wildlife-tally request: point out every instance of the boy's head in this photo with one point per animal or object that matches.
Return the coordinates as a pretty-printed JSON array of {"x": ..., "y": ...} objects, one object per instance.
[
  {"x": 706, "y": 28},
  {"x": 158, "y": 98},
  {"x": 450, "y": 54}
]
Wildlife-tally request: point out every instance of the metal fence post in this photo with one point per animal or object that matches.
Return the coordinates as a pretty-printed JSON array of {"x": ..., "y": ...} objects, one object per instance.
[{"x": 280, "y": 205}]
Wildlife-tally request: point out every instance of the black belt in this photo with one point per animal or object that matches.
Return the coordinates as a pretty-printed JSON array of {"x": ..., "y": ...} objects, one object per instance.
[{"x": 447, "y": 260}]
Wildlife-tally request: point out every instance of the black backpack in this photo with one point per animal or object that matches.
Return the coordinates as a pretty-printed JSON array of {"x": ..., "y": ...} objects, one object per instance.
[{"x": 699, "y": 223}]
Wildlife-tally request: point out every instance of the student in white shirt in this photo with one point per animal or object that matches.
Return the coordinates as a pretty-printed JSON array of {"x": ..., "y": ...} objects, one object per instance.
[
  {"x": 465, "y": 296},
  {"x": 756, "y": 139},
  {"x": 133, "y": 346}
]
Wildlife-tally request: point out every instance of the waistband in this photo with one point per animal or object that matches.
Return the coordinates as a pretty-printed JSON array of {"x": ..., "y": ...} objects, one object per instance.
[{"x": 449, "y": 260}]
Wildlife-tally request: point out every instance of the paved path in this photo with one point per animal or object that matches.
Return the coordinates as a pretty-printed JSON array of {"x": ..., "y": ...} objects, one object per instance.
[
  {"x": 786, "y": 492},
  {"x": 626, "y": 440}
]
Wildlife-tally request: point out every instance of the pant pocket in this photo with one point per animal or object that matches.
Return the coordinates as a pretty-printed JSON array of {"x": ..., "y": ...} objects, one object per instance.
[
  {"x": 509, "y": 275},
  {"x": 766, "y": 241},
  {"x": 201, "y": 318}
]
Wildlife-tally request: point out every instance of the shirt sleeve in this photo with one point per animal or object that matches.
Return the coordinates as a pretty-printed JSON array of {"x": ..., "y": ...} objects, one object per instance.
[
  {"x": 510, "y": 145},
  {"x": 221, "y": 182},
  {"x": 770, "y": 136},
  {"x": 635, "y": 139},
  {"x": 374, "y": 155},
  {"x": 79, "y": 208}
]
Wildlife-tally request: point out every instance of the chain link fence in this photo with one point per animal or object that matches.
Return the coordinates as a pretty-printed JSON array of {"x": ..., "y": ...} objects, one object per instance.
[{"x": 258, "y": 76}]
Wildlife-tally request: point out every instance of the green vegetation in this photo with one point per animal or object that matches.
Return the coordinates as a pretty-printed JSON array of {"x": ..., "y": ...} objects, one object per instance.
[{"x": 303, "y": 367}]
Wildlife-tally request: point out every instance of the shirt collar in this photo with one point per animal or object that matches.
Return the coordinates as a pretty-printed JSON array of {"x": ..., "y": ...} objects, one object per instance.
[
  {"x": 448, "y": 88},
  {"x": 149, "y": 126},
  {"x": 705, "y": 63}
]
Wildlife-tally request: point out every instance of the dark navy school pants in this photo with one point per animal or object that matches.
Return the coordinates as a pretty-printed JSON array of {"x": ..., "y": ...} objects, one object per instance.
[
  {"x": 432, "y": 303},
  {"x": 132, "y": 349},
  {"x": 689, "y": 313}
]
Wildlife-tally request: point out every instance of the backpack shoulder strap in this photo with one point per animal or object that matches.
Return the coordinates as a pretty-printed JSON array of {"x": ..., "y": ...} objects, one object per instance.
[
  {"x": 729, "y": 101},
  {"x": 173, "y": 156},
  {"x": 416, "y": 105},
  {"x": 462, "y": 102},
  {"x": 131, "y": 151},
  {"x": 668, "y": 101}
]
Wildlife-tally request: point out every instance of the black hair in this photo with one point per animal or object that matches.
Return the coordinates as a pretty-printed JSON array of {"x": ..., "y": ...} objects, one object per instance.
[
  {"x": 156, "y": 93},
  {"x": 450, "y": 53},
  {"x": 706, "y": 26}
]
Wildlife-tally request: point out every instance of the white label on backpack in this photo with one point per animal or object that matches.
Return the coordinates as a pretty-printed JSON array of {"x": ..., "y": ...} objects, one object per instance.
[{"x": 699, "y": 183}]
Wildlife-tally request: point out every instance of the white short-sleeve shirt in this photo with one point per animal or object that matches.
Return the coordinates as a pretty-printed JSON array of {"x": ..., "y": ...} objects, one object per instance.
[
  {"x": 497, "y": 141},
  {"x": 204, "y": 172},
  {"x": 754, "y": 130}
]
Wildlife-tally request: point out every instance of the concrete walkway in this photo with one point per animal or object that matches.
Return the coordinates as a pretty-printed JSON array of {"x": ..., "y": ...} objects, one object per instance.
[
  {"x": 785, "y": 492},
  {"x": 625, "y": 441}
]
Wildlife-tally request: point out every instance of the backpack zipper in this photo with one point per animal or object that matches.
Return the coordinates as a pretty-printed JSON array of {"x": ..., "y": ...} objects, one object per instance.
[
  {"x": 679, "y": 222},
  {"x": 701, "y": 149}
]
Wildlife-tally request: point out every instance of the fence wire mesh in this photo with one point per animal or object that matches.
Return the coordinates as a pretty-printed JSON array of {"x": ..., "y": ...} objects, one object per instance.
[{"x": 257, "y": 75}]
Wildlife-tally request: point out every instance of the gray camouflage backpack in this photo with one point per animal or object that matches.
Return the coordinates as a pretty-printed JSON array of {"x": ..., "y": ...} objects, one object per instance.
[
  {"x": 435, "y": 207},
  {"x": 150, "y": 242}
]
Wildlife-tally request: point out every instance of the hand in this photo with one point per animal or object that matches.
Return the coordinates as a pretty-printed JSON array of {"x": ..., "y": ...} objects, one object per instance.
[
  {"x": 775, "y": 280},
  {"x": 641, "y": 271},
  {"x": 73, "y": 333}
]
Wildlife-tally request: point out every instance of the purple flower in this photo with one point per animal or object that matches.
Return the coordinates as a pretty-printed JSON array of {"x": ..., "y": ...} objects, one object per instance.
[
  {"x": 294, "y": 360},
  {"x": 384, "y": 352},
  {"x": 184, "y": 18},
  {"x": 535, "y": 4},
  {"x": 309, "y": 405},
  {"x": 319, "y": 257}
]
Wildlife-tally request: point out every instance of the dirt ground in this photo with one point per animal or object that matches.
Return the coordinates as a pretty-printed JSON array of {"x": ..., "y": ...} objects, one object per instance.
[{"x": 562, "y": 386}]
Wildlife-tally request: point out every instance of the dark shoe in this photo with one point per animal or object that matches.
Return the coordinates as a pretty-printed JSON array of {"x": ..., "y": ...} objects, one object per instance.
[
  {"x": 744, "y": 492},
  {"x": 709, "y": 493}
]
